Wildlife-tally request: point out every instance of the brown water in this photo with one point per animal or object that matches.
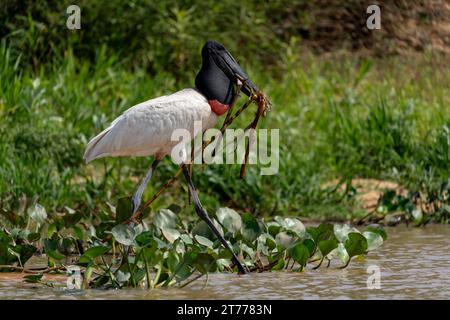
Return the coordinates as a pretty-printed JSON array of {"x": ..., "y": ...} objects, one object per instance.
[{"x": 414, "y": 264}]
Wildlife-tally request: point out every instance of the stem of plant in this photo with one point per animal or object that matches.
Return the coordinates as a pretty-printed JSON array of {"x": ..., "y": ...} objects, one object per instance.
[{"x": 147, "y": 272}]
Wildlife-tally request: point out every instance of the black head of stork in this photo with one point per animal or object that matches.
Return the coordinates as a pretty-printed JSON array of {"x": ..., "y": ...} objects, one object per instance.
[{"x": 219, "y": 73}]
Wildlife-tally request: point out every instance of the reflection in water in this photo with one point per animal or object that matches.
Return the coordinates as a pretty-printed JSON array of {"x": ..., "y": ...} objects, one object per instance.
[{"x": 414, "y": 264}]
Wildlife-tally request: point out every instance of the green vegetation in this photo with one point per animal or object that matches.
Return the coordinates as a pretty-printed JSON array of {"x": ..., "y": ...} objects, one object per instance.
[
  {"x": 338, "y": 120},
  {"x": 170, "y": 251}
]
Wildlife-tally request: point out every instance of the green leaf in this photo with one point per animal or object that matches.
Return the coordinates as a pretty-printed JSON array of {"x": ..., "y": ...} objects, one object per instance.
[
  {"x": 356, "y": 244},
  {"x": 123, "y": 209},
  {"x": 186, "y": 239},
  {"x": 202, "y": 229},
  {"x": 279, "y": 266},
  {"x": 122, "y": 276},
  {"x": 34, "y": 236},
  {"x": 25, "y": 251},
  {"x": 124, "y": 234},
  {"x": 247, "y": 250},
  {"x": 205, "y": 263},
  {"x": 341, "y": 231},
  {"x": 144, "y": 239},
  {"x": 273, "y": 228},
  {"x": 54, "y": 255},
  {"x": 374, "y": 240},
  {"x": 295, "y": 225},
  {"x": 417, "y": 216},
  {"x": 33, "y": 278},
  {"x": 165, "y": 218},
  {"x": 284, "y": 240},
  {"x": 377, "y": 229},
  {"x": 229, "y": 219},
  {"x": 300, "y": 253},
  {"x": 339, "y": 252},
  {"x": 308, "y": 243},
  {"x": 51, "y": 230},
  {"x": 204, "y": 241},
  {"x": 92, "y": 253},
  {"x": 170, "y": 234},
  {"x": 79, "y": 233},
  {"x": 326, "y": 246},
  {"x": 250, "y": 228}
]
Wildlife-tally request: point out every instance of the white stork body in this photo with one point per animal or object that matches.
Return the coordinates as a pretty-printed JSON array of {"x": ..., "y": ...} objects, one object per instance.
[{"x": 146, "y": 128}]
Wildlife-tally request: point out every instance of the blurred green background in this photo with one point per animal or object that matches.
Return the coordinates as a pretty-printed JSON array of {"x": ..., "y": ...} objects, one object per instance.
[{"x": 349, "y": 102}]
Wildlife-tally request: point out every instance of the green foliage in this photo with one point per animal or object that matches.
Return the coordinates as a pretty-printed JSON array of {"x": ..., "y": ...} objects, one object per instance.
[{"x": 164, "y": 251}]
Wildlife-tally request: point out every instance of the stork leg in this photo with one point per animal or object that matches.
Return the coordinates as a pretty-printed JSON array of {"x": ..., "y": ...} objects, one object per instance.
[
  {"x": 136, "y": 201},
  {"x": 203, "y": 215}
]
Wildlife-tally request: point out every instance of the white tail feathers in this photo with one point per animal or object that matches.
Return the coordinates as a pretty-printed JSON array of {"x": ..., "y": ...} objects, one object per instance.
[{"x": 91, "y": 152}]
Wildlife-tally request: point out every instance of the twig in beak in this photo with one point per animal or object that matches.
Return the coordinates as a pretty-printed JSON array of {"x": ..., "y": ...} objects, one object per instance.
[{"x": 261, "y": 109}]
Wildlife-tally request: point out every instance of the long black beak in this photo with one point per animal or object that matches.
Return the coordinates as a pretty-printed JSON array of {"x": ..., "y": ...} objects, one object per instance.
[{"x": 225, "y": 61}]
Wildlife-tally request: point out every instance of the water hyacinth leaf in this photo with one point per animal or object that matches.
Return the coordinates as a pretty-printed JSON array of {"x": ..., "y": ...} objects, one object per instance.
[
  {"x": 54, "y": 255},
  {"x": 50, "y": 245},
  {"x": 417, "y": 216},
  {"x": 34, "y": 236},
  {"x": 25, "y": 251},
  {"x": 124, "y": 234},
  {"x": 261, "y": 247},
  {"x": 266, "y": 242},
  {"x": 356, "y": 244},
  {"x": 273, "y": 228},
  {"x": 280, "y": 265},
  {"x": 93, "y": 253},
  {"x": 313, "y": 232},
  {"x": 183, "y": 272},
  {"x": 295, "y": 225},
  {"x": 326, "y": 231},
  {"x": 205, "y": 263},
  {"x": 284, "y": 240},
  {"x": 33, "y": 278},
  {"x": 165, "y": 218},
  {"x": 186, "y": 239},
  {"x": 122, "y": 276},
  {"x": 376, "y": 228},
  {"x": 326, "y": 246},
  {"x": 170, "y": 234},
  {"x": 144, "y": 239},
  {"x": 172, "y": 261},
  {"x": 247, "y": 250},
  {"x": 223, "y": 263},
  {"x": 123, "y": 209},
  {"x": 300, "y": 253},
  {"x": 229, "y": 219},
  {"x": 340, "y": 253},
  {"x": 202, "y": 229},
  {"x": 308, "y": 243},
  {"x": 37, "y": 213},
  {"x": 280, "y": 221},
  {"x": 341, "y": 231},
  {"x": 374, "y": 240},
  {"x": 250, "y": 227},
  {"x": 204, "y": 241}
]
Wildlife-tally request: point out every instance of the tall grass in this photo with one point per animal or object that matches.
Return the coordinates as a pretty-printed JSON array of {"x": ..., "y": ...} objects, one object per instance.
[{"x": 338, "y": 117}]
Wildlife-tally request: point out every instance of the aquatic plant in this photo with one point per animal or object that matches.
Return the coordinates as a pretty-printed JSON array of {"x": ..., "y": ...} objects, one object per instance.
[{"x": 164, "y": 250}]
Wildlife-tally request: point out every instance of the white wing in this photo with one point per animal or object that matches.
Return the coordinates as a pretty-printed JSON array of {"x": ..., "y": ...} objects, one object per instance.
[{"x": 146, "y": 128}]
